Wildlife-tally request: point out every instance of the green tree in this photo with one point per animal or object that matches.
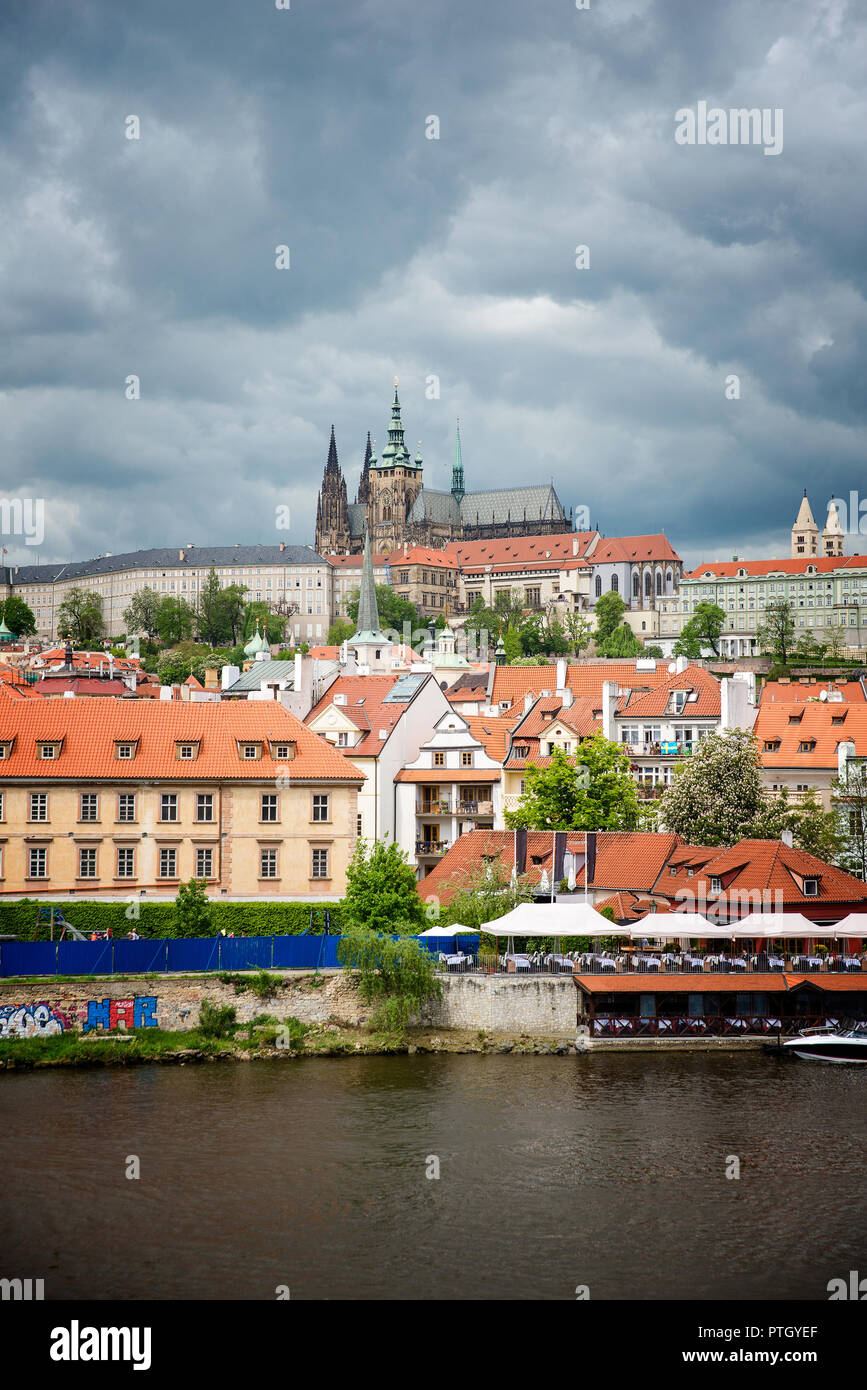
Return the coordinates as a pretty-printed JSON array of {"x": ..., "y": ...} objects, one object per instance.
[
  {"x": 816, "y": 830},
  {"x": 578, "y": 631},
  {"x": 400, "y": 976},
  {"x": 717, "y": 796},
  {"x": 652, "y": 650},
  {"x": 701, "y": 631},
  {"x": 621, "y": 643},
  {"x": 809, "y": 649},
  {"x": 482, "y": 894},
  {"x": 394, "y": 610},
  {"x": 609, "y": 612},
  {"x": 175, "y": 620},
  {"x": 833, "y": 643},
  {"x": 18, "y": 616},
  {"x": 849, "y": 801},
  {"x": 173, "y": 669},
  {"x": 512, "y": 644},
  {"x": 273, "y": 623},
  {"x": 80, "y": 617},
  {"x": 595, "y": 790},
  {"x": 193, "y": 911},
  {"x": 776, "y": 632},
  {"x": 381, "y": 894},
  {"x": 142, "y": 613},
  {"x": 339, "y": 632}
]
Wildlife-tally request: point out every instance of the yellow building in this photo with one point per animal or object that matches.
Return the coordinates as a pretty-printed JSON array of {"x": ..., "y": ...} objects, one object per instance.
[{"x": 133, "y": 798}]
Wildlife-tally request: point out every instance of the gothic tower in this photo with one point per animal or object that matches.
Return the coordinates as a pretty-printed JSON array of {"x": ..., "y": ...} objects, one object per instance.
[
  {"x": 332, "y": 511},
  {"x": 363, "y": 493},
  {"x": 805, "y": 532},
  {"x": 833, "y": 537},
  {"x": 395, "y": 480}
]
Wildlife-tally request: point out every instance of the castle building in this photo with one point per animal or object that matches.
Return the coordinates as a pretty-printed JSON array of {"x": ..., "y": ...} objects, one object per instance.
[{"x": 395, "y": 508}]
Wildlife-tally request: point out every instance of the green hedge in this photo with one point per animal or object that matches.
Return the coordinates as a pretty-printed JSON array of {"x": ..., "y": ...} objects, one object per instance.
[{"x": 158, "y": 919}]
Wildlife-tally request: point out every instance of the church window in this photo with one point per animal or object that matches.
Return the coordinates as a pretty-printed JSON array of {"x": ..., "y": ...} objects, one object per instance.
[
  {"x": 598, "y": 585},
  {"x": 615, "y": 584}
]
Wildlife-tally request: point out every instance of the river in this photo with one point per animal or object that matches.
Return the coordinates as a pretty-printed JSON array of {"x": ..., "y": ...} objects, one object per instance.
[{"x": 601, "y": 1171}]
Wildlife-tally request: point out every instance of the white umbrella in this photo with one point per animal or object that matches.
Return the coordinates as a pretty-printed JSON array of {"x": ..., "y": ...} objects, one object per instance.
[
  {"x": 772, "y": 925},
  {"x": 553, "y": 919},
  {"x": 545, "y": 882},
  {"x": 456, "y": 930}
]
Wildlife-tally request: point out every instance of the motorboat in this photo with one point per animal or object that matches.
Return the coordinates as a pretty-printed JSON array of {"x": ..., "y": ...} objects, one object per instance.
[{"x": 831, "y": 1043}]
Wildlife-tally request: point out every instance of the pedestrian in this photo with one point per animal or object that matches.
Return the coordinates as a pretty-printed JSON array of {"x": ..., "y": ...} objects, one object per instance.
[{"x": 133, "y": 935}]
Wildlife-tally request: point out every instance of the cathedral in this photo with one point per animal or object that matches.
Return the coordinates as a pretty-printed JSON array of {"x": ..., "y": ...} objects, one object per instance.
[{"x": 393, "y": 504}]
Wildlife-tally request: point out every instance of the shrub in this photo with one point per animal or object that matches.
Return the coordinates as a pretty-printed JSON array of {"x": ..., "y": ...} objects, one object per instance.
[{"x": 216, "y": 1020}]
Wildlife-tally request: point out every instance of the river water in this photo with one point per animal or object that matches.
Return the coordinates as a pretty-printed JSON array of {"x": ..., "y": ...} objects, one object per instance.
[{"x": 600, "y": 1171}]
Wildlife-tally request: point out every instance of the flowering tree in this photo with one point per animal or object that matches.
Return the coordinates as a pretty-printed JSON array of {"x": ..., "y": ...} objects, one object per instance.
[
  {"x": 594, "y": 790},
  {"x": 717, "y": 796}
]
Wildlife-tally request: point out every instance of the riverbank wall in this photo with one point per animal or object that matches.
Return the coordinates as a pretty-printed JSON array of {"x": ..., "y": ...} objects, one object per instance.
[{"x": 496, "y": 1004}]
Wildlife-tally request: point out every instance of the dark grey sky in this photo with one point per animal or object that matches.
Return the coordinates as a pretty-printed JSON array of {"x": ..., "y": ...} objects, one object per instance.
[{"x": 414, "y": 257}]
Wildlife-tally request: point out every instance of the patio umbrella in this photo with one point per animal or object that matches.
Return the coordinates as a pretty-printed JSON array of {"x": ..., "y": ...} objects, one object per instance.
[{"x": 456, "y": 930}]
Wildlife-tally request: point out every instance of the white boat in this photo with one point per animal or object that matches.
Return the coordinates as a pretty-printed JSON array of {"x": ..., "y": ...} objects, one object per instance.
[{"x": 830, "y": 1044}]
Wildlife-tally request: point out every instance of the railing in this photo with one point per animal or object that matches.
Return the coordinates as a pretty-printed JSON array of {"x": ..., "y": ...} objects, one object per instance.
[
  {"x": 665, "y": 963},
  {"x": 431, "y": 849},
  {"x": 476, "y": 808},
  {"x": 712, "y": 1026},
  {"x": 434, "y": 808}
]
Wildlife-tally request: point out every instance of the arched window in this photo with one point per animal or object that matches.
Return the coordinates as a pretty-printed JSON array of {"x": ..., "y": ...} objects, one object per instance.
[
  {"x": 615, "y": 584},
  {"x": 598, "y": 585},
  {"x": 668, "y": 581},
  {"x": 647, "y": 584},
  {"x": 636, "y": 586},
  {"x": 658, "y": 582}
]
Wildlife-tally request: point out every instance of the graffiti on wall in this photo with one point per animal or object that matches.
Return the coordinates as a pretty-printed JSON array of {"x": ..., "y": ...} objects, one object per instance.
[
  {"x": 33, "y": 1020},
  {"x": 42, "y": 1019}
]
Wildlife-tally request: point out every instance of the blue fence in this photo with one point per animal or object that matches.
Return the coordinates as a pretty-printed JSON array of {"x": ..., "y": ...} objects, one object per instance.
[{"x": 173, "y": 955}]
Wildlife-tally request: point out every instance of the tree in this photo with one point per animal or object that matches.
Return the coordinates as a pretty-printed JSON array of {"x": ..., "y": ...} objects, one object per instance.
[
  {"x": 512, "y": 644},
  {"x": 621, "y": 643},
  {"x": 809, "y": 649},
  {"x": 486, "y": 893},
  {"x": 18, "y": 616},
  {"x": 509, "y": 607},
  {"x": 717, "y": 796},
  {"x": 141, "y": 615},
  {"x": 80, "y": 617},
  {"x": 272, "y": 623},
  {"x": 394, "y": 610},
  {"x": 849, "y": 801},
  {"x": 701, "y": 631},
  {"x": 594, "y": 790},
  {"x": 833, "y": 641},
  {"x": 775, "y": 633},
  {"x": 578, "y": 631},
  {"x": 381, "y": 893},
  {"x": 399, "y": 975},
  {"x": 193, "y": 912},
  {"x": 175, "y": 620},
  {"x": 173, "y": 669},
  {"x": 339, "y": 632},
  {"x": 220, "y": 612},
  {"x": 652, "y": 650},
  {"x": 816, "y": 830},
  {"x": 609, "y": 612}
]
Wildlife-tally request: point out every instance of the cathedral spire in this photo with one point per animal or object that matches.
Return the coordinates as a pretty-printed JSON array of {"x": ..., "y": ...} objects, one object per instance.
[
  {"x": 332, "y": 466},
  {"x": 363, "y": 494},
  {"x": 367, "y": 623},
  {"x": 458, "y": 468}
]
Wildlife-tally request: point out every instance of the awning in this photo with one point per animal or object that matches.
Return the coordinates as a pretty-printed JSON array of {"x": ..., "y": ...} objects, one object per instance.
[{"x": 554, "y": 919}]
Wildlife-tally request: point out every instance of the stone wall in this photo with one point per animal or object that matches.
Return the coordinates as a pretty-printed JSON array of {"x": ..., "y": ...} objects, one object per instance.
[{"x": 499, "y": 1005}]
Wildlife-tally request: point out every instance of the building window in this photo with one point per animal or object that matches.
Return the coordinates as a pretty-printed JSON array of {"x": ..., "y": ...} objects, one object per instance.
[
  {"x": 168, "y": 863},
  {"x": 204, "y": 806},
  {"x": 89, "y": 808},
  {"x": 126, "y": 863},
  {"x": 87, "y": 863},
  {"x": 39, "y": 806},
  {"x": 125, "y": 750},
  {"x": 439, "y": 759},
  {"x": 320, "y": 808},
  {"x": 48, "y": 751},
  {"x": 2, "y": 806},
  {"x": 320, "y": 863},
  {"x": 343, "y": 739},
  {"x": 169, "y": 806},
  {"x": 615, "y": 584},
  {"x": 281, "y": 751},
  {"x": 269, "y": 806},
  {"x": 204, "y": 863},
  {"x": 38, "y": 863},
  {"x": 358, "y": 824},
  {"x": 598, "y": 586},
  {"x": 268, "y": 863},
  {"x": 186, "y": 752},
  {"x": 126, "y": 806},
  {"x": 249, "y": 751},
  {"x": 466, "y": 760}
]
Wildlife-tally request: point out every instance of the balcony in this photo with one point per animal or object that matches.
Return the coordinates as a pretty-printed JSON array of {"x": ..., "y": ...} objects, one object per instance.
[
  {"x": 476, "y": 808},
  {"x": 439, "y": 807},
  {"x": 431, "y": 849}
]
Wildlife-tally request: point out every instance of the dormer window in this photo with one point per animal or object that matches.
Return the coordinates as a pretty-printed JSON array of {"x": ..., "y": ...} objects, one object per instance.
[
  {"x": 250, "y": 752},
  {"x": 186, "y": 752},
  {"x": 522, "y": 750},
  {"x": 796, "y": 718},
  {"x": 48, "y": 751},
  {"x": 125, "y": 750},
  {"x": 807, "y": 745},
  {"x": 772, "y": 745},
  {"x": 838, "y": 719},
  {"x": 715, "y": 884},
  {"x": 811, "y": 888},
  {"x": 5, "y": 750},
  {"x": 283, "y": 752}
]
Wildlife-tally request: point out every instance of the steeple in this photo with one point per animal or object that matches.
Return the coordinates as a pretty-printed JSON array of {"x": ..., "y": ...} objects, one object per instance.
[
  {"x": 367, "y": 625},
  {"x": 395, "y": 454},
  {"x": 363, "y": 493},
  {"x": 332, "y": 511},
  {"x": 832, "y": 536},
  {"x": 332, "y": 466},
  {"x": 805, "y": 532},
  {"x": 458, "y": 468}
]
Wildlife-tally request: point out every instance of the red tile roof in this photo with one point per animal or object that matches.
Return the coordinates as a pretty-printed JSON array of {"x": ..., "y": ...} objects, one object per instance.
[
  {"x": 366, "y": 708},
  {"x": 80, "y": 685},
  {"x": 816, "y": 726},
  {"x": 584, "y": 678},
  {"x": 492, "y": 732},
  {"x": 354, "y": 561},
  {"x": 694, "y": 680},
  {"x": 791, "y": 691},
  {"x": 422, "y": 555},
  {"x": 772, "y": 868},
  {"x": 522, "y": 552},
  {"x": 824, "y": 564},
  {"x": 626, "y": 548},
  {"x": 13, "y": 692},
  {"x": 92, "y": 660},
  {"x": 90, "y": 728}
]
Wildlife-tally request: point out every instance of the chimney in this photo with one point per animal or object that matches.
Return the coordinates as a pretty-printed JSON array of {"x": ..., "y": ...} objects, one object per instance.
[
  {"x": 609, "y": 709},
  {"x": 561, "y": 675},
  {"x": 575, "y": 548},
  {"x": 180, "y": 555},
  {"x": 528, "y": 700},
  {"x": 282, "y": 545}
]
